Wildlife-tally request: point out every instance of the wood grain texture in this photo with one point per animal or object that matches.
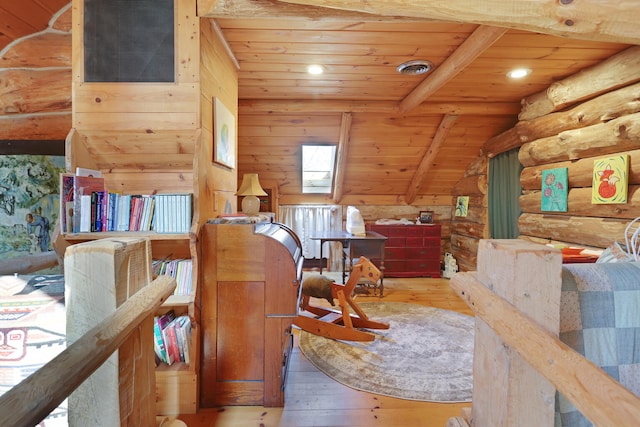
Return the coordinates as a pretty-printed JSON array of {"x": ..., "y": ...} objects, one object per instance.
[
  {"x": 612, "y": 22},
  {"x": 312, "y": 398}
]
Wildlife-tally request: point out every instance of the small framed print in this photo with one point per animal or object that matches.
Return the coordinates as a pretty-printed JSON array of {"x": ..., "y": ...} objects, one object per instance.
[
  {"x": 224, "y": 137},
  {"x": 426, "y": 217}
]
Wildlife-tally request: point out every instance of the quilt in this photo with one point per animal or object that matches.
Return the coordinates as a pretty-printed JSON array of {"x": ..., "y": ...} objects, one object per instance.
[{"x": 600, "y": 319}]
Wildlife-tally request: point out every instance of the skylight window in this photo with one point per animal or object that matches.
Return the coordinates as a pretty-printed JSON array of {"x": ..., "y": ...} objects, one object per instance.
[{"x": 318, "y": 165}]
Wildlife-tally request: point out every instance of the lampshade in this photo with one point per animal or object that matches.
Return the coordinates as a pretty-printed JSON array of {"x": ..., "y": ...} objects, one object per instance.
[
  {"x": 250, "y": 186},
  {"x": 250, "y": 189}
]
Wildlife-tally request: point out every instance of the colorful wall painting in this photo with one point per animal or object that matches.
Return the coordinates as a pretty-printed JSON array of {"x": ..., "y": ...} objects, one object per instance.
[
  {"x": 462, "y": 206},
  {"x": 29, "y": 200},
  {"x": 610, "y": 180},
  {"x": 554, "y": 190}
]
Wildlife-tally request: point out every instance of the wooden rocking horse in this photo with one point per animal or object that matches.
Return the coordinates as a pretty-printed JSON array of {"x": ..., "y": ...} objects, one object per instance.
[{"x": 340, "y": 325}]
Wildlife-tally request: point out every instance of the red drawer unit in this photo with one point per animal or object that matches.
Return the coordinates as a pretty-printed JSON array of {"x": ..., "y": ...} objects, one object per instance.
[{"x": 411, "y": 250}]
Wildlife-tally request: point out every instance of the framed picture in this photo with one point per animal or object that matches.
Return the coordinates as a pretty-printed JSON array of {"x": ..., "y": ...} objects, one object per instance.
[
  {"x": 426, "y": 217},
  {"x": 462, "y": 205},
  {"x": 224, "y": 135},
  {"x": 610, "y": 180},
  {"x": 554, "y": 190}
]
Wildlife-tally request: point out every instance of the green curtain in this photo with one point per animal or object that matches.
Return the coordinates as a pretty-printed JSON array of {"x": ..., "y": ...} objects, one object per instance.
[{"x": 504, "y": 190}]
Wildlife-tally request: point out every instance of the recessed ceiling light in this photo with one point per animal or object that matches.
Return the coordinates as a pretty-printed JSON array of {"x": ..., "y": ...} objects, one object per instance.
[
  {"x": 518, "y": 73},
  {"x": 315, "y": 69},
  {"x": 415, "y": 67}
]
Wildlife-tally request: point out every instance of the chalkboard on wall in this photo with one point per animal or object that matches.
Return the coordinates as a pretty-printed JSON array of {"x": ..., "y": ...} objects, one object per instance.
[{"x": 129, "y": 41}]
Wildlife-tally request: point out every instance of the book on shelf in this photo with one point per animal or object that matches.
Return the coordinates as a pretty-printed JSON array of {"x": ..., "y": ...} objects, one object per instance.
[
  {"x": 87, "y": 206},
  {"x": 66, "y": 202},
  {"x": 172, "y": 338},
  {"x": 83, "y": 188},
  {"x": 179, "y": 269}
]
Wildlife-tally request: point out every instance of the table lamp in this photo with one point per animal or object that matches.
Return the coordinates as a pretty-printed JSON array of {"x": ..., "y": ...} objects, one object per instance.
[{"x": 250, "y": 189}]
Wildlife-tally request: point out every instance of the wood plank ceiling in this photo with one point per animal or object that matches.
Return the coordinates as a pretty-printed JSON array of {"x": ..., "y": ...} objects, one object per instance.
[
  {"x": 401, "y": 136},
  {"x": 406, "y": 135}
]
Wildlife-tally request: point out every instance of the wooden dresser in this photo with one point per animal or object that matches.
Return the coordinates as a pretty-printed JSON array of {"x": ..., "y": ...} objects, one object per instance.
[
  {"x": 410, "y": 250},
  {"x": 250, "y": 293}
]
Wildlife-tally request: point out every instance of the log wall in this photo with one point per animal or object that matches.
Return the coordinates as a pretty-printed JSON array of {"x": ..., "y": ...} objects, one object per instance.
[
  {"x": 590, "y": 115},
  {"x": 35, "y": 83},
  {"x": 606, "y": 123},
  {"x": 466, "y": 231}
]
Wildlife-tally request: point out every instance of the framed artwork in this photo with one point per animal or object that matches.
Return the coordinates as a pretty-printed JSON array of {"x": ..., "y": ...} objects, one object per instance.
[
  {"x": 610, "y": 180},
  {"x": 554, "y": 190},
  {"x": 426, "y": 217},
  {"x": 224, "y": 135},
  {"x": 462, "y": 205}
]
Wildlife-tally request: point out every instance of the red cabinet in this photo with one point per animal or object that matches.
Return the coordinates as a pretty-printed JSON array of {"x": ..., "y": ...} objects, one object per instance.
[{"x": 410, "y": 250}]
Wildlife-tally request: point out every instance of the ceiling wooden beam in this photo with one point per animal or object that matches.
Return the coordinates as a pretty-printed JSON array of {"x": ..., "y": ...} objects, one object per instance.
[
  {"x": 272, "y": 9},
  {"x": 465, "y": 54},
  {"x": 387, "y": 107},
  {"x": 425, "y": 164},
  {"x": 609, "y": 21},
  {"x": 343, "y": 154}
]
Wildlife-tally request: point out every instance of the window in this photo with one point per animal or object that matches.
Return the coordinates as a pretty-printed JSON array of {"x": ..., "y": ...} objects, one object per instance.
[{"x": 318, "y": 164}]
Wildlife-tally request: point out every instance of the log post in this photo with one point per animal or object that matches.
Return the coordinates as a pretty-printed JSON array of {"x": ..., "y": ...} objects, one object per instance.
[
  {"x": 99, "y": 277},
  {"x": 507, "y": 390}
]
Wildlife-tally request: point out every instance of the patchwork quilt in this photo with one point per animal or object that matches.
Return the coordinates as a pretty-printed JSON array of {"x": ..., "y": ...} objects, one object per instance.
[{"x": 600, "y": 319}]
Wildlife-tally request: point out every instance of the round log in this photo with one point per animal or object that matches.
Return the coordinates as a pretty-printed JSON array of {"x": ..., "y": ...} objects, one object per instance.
[
  {"x": 597, "y": 232},
  {"x": 615, "y": 136},
  {"x": 579, "y": 204},
  {"x": 578, "y": 171}
]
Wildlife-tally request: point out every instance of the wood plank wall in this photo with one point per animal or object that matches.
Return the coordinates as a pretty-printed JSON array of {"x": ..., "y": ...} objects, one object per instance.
[
  {"x": 219, "y": 78},
  {"x": 587, "y": 116},
  {"x": 35, "y": 95}
]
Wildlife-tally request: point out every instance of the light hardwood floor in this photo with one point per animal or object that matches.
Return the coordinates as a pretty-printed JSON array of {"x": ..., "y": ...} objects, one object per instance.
[{"x": 313, "y": 399}]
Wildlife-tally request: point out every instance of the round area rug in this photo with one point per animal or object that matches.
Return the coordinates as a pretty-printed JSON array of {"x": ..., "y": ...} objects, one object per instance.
[{"x": 426, "y": 354}]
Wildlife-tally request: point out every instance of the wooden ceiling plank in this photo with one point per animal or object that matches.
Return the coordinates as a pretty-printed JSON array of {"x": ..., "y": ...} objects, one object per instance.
[
  {"x": 425, "y": 164},
  {"x": 614, "y": 20},
  {"x": 343, "y": 155},
  {"x": 332, "y": 106},
  {"x": 481, "y": 39}
]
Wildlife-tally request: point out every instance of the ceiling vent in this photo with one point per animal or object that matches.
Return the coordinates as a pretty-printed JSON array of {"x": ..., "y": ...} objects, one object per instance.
[{"x": 415, "y": 67}]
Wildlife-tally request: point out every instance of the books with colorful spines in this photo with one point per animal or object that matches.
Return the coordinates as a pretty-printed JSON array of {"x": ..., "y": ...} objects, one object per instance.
[
  {"x": 163, "y": 321},
  {"x": 136, "y": 209},
  {"x": 185, "y": 335},
  {"x": 171, "y": 341},
  {"x": 172, "y": 344},
  {"x": 158, "y": 341},
  {"x": 113, "y": 214},
  {"x": 97, "y": 210},
  {"x": 83, "y": 186},
  {"x": 146, "y": 226}
]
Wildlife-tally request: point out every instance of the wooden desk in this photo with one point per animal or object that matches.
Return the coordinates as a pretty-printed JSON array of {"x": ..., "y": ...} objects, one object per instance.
[{"x": 371, "y": 245}]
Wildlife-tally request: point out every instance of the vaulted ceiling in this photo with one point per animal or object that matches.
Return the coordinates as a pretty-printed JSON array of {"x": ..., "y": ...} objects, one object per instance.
[{"x": 400, "y": 129}]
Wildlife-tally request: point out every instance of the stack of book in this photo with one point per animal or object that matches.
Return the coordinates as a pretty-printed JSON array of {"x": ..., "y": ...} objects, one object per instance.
[
  {"x": 87, "y": 206},
  {"x": 180, "y": 269},
  {"x": 172, "y": 338}
]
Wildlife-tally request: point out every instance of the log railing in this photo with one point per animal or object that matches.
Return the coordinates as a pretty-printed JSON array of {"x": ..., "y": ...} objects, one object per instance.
[
  {"x": 519, "y": 362},
  {"x": 125, "y": 327},
  {"x": 28, "y": 263}
]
